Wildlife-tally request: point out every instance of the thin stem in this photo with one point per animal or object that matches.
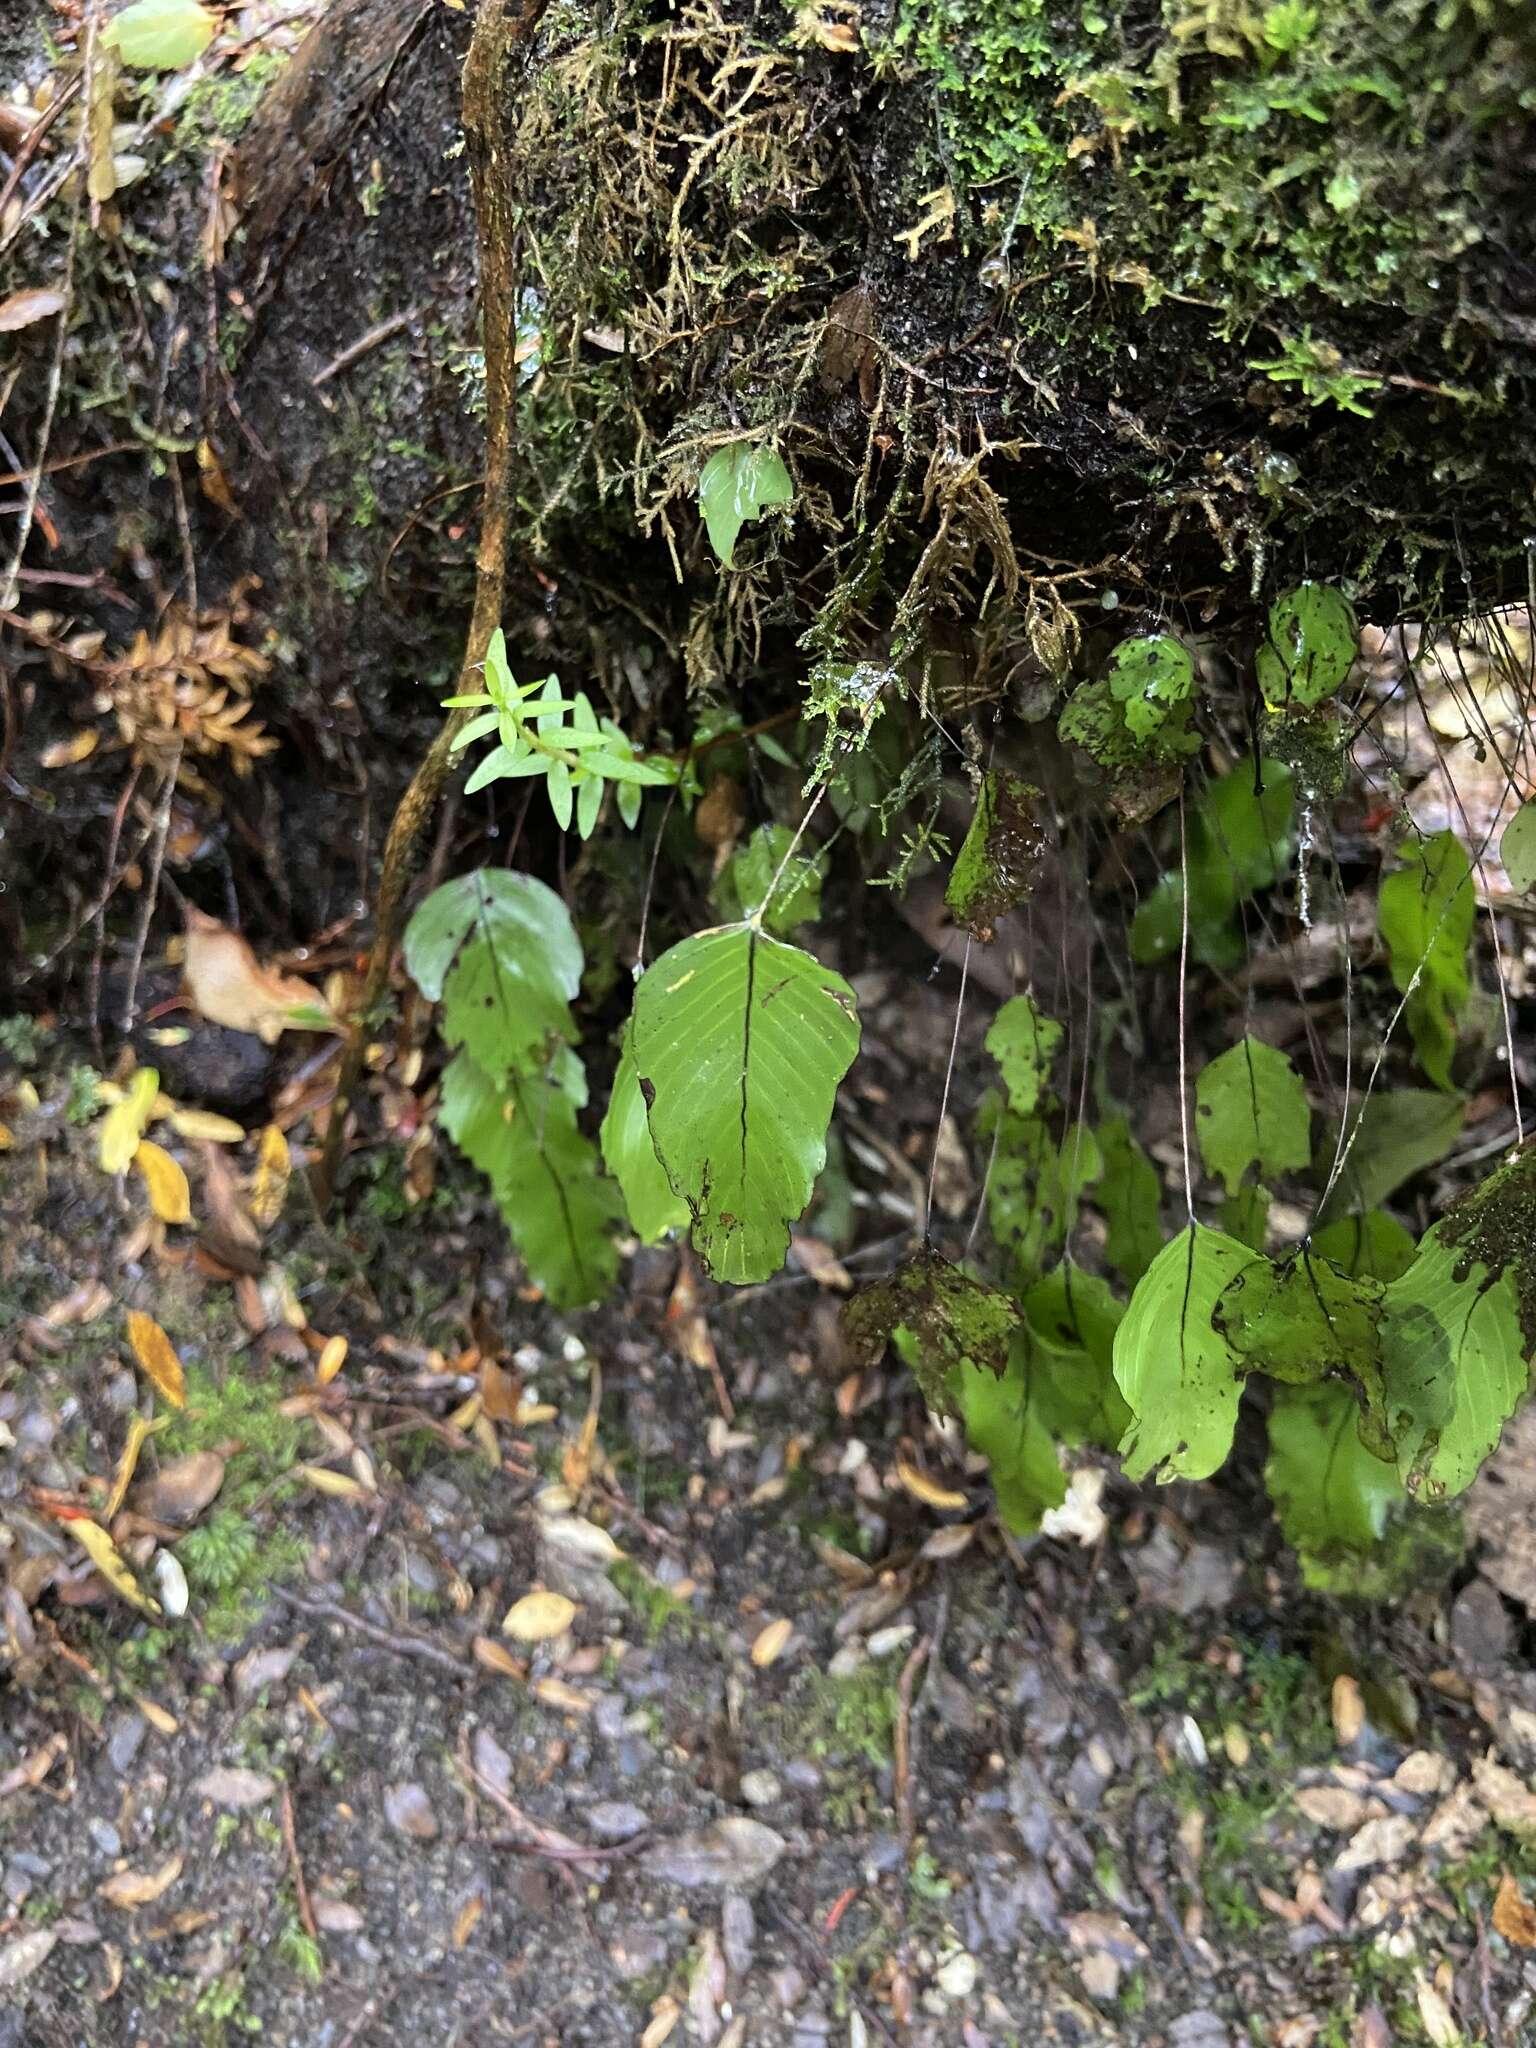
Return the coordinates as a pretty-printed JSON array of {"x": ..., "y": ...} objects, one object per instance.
[{"x": 1189, "y": 1179}]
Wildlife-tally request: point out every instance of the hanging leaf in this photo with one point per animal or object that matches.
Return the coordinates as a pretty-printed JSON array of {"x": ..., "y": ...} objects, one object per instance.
[
  {"x": 1456, "y": 1365},
  {"x": 1333, "y": 1498},
  {"x": 1000, "y": 855},
  {"x": 631, "y": 1158},
  {"x": 741, "y": 893},
  {"x": 1251, "y": 1110},
  {"x": 1238, "y": 839},
  {"x": 1245, "y": 1215},
  {"x": 126, "y": 1122},
  {"x": 169, "y": 1195},
  {"x": 1308, "y": 648},
  {"x": 559, "y": 1208},
  {"x": 1148, "y": 677},
  {"x": 160, "y": 35},
  {"x": 1300, "y": 1319},
  {"x": 157, "y": 1358},
  {"x": 1426, "y": 911},
  {"x": 1397, "y": 1133},
  {"x": 1374, "y": 1246},
  {"x": 499, "y": 951},
  {"x": 953, "y": 1321},
  {"x": 1002, "y": 1420},
  {"x": 1517, "y": 849},
  {"x": 739, "y": 482},
  {"x": 739, "y": 1043},
  {"x": 1036, "y": 1185},
  {"x": 1073, "y": 1317},
  {"x": 1177, "y": 1372},
  {"x": 1129, "y": 1195},
  {"x": 1023, "y": 1041}
]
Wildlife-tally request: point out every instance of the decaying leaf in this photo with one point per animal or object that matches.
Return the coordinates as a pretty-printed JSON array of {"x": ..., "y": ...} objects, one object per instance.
[
  {"x": 996, "y": 866},
  {"x": 157, "y": 1357},
  {"x": 538, "y": 1617},
  {"x": 228, "y": 986},
  {"x": 108, "y": 1560},
  {"x": 770, "y": 1642},
  {"x": 139, "y": 1431},
  {"x": 269, "y": 1185},
  {"x": 23, "y": 309},
  {"x": 169, "y": 1195},
  {"x": 927, "y": 1490},
  {"x": 181, "y": 1490},
  {"x": 126, "y": 1121},
  {"x": 953, "y": 1319},
  {"x": 78, "y": 747},
  {"x": 1513, "y": 1915},
  {"x": 202, "y": 1126},
  {"x": 128, "y": 1888}
]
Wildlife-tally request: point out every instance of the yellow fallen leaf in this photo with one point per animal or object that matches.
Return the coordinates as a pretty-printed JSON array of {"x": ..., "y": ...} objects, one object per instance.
[
  {"x": 339, "y": 1485},
  {"x": 65, "y": 753},
  {"x": 269, "y": 1184},
  {"x": 126, "y": 1122},
  {"x": 7, "y": 1138},
  {"x": 333, "y": 1356},
  {"x": 169, "y": 1195},
  {"x": 770, "y": 1641},
  {"x": 554, "y": 1692},
  {"x": 665, "y": 2015},
  {"x": 157, "y": 1357},
  {"x": 201, "y": 1126},
  {"x": 469, "y": 1913},
  {"x": 497, "y": 1657},
  {"x": 927, "y": 1490},
  {"x": 140, "y": 1887},
  {"x": 139, "y": 1433},
  {"x": 539, "y": 1616},
  {"x": 1513, "y": 1915},
  {"x": 108, "y": 1560},
  {"x": 155, "y": 1715},
  {"x": 229, "y": 986}
]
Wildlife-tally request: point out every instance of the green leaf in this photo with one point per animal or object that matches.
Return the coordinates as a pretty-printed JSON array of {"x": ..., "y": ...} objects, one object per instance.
[
  {"x": 740, "y": 1042},
  {"x": 1374, "y": 1246},
  {"x": 1426, "y": 911},
  {"x": 1238, "y": 840},
  {"x": 1245, "y": 1215},
  {"x": 1073, "y": 1317},
  {"x": 1333, "y": 1498},
  {"x": 1130, "y": 1196},
  {"x": 499, "y": 951},
  {"x": 1301, "y": 1319},
  {"x": 1517, "y": 849},
  {"x": 954, "y": 1322},
  {"x": 1036, "y": 1185},
  {"x": 999, "y": 858},
  {"x": 742, "y": 890},
  {"x": 560, "y": 1210},
  {"x": 1251, "y": 1110},
  {"x": 631, "y": 1158},
  {"x": 738, "y": 483},
  {"x": 1396, "y": 1134},
  {"x": 1175, "y": 1369},
  {"x": 1003, "y": 1420},
  {"x": 1309, "y": 647},
  {"x": 160, "y": 35},
  {"x": 1023, "y": 1041},
  {"x": 1148, "y": 677},
  {"x": 1456, "y": 1365}
]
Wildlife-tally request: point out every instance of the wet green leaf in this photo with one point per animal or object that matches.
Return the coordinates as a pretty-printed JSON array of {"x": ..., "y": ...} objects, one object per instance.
[
  {"x": 996, "y": 866},
  {"x": 1308, "y": 648},
  {"x": 1397, "y": 1133},
  {"x": 1238, "y": 840},
  {"x": 1073, "y": 1317},
  {"x": 1373, "y": 1246},
  {"x": 1176, "y": 1370},
  {"x": 1003, "y": 1420},
  {"x": 160, "y": 35},
  {"x": 1426, "y": 911},
  {"x": 1333, "y": 1498},
  {"x": 1517, "y": 848},
  {"x": 1149, "y": 676},
  {"x": 631, "y": 1158},
  {"x": 739, "y": 1042},
  {"x": 1456, "y": 1365},
  {"x": 742, "y": 890},
  {"x": 738, "y": 483},
  {"x": 1036, "y": 1185},
  {"x": 1251, "y": 1110},
  {"x": 1130, "y": 1195},
  {"x": 1301, "y": 1319},
  {"x": 1023, "y": 1041},
  {"x": 500, "y": 953}
]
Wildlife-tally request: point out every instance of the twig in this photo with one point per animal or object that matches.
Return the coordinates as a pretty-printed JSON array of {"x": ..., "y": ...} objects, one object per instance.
[
  {"x": 364, "y": 342},
  {"x": 162, "y": 829},
  {"x": 503, "y": 29},
  {"x": 300, "y": 1888},
  {"x": 903, "y": 1745},
  {"x": 399, "y": 1640}
]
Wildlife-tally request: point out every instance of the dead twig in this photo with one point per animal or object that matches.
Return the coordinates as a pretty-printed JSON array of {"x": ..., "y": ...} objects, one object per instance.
[
  {"x": 902, "y": 1743},
  {"x": 398, "y": 1640},
  {"x": 364, "y": 343},
  {"x": 300, "y": 1888}
]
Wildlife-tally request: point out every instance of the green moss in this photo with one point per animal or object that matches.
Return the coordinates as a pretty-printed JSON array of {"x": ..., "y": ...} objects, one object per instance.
[
  {"x": 218, "y": 107},
  {"x": 657, "y": 1609}
]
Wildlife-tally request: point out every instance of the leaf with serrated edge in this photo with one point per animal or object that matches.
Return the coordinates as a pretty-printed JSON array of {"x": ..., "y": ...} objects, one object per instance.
[
  {"x": 1130, "y": 1197},
  {"x": 1003, "y": 1421},
  {"x": 739, "y": 1043},
  {"x": 1251, "y": 1110},
  {"x": 1023, "y": 1041},
  {"x": 1175, "y": 1369},
  {"x": 501, "y": 954},
  {"x": 630, "y": 1157},
  {"x": 1426, "y": 911},
  {"x": 1455, "y": 1366}
]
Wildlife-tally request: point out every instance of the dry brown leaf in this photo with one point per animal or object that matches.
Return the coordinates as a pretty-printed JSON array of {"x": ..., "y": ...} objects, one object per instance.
[
  {"x": 554, "y": 1692},
  {"x": 538, "y": 1617},
  {"x": 821, "y": 1263},
  {"x": 228, "y": 985},
  {"x": 927, "y": 1490},
  {"x": 169, "y": 1195},
  {"x": 665, "y": 2015},
  {"x": 130, "y": 1888},
  {"x": 496, "y": 1657},
  {"x": 339, "y": 1485},
  {"x": 771, "y": 1641},
  {"x": 468, "y": 1915},
  {"x": 25, "y": 308},
  {"x": 333, "y": 1356},
  {"x": 78, "y": 747},
  {"x": 108, "y": 1560},
  {"x": 83, "y": 1304},
  {"x": 1513, "y": 1915},
  {"x": 181, "y": 1490},
  {"x": 1508, "y": 1798},
  {"x": 139, "y": 1432},
  {"x": 1438, "y": 2020},
  {"x": 215, "y": 483},
  {"x": 269, "y": 1184},
  {"x": 157, "y": 1357},
  {"x": 126, "y": 1122},
  {"x": 500, "y": 1391},
  {"x": 231, "y": 1230},
  {"x": 1348, "y": 1703}
]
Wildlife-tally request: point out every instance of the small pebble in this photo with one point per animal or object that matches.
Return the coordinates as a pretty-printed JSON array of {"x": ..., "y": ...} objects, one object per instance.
[
  {"x": 105, "y": 1836},
  {"x": 760, "y": 1788}
]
